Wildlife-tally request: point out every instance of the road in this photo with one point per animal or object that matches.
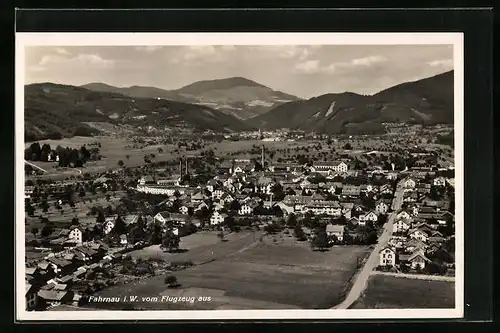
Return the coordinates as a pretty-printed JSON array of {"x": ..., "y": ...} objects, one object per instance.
[{"x": 361, "y": 279}]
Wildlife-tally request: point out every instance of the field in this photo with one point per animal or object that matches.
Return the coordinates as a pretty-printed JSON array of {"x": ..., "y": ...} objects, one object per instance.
[
  {"x": 388, "y": 292},
  {"x": 241, "y": 273}
]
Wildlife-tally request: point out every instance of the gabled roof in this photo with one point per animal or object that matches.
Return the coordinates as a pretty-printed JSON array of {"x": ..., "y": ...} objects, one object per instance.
[
  {"x": 198, "y": 196},
  {"x": 335, "y": 228},
  {"x": 52, "y": 295}
]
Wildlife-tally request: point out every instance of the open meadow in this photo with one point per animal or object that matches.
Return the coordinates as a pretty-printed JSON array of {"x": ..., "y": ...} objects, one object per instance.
[
  {"x": 249, "y": 273},
  {"x": 389, "y": 292}
]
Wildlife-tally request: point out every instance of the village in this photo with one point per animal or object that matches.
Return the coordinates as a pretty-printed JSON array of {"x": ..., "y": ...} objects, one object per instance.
[{"x": 405, "y": 215}]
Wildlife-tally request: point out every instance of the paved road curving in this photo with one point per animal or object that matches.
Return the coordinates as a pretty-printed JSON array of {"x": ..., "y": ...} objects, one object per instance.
[{"x": 361, "y": 279}]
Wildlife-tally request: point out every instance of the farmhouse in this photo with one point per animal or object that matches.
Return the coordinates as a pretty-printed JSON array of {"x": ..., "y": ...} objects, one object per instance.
[
  {"x": 387, "y": 257},
  {"x": 336, "y": 230},
  {"x": 401, "y": 226},
  {"x": 370, "y": 216},
  {"x": 217, "y": 218},
  {"x": 381, "y": 207},
  {"x": 76, "y": 235},
  {"x": 409, "y": 183},
  {"x": 439, "y": 181}
]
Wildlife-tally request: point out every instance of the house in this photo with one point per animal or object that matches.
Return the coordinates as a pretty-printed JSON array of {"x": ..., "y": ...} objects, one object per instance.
[
  {"x": 439, "y": 181},
  {"x": 212, "y": 184},
  {"x": 336, "y": 230},
  {"x": 387, "y": 257},
  {"x": 131, "y": 219},
  {"x": 336, "y": 166},
  {"x": 123, "y": 240},
  {"x": 217, "y": 193},
  {"x": 76, "y": 235},
  {"x": 247, "y": 208},
  {"x": 52, "y": 297},
  {"x": 161, "y": 217},
  {"x": 418, "y": 234},
  {"x": 217, "y": 218},
  {"x": 108, "y": 225},
  {"x": 409, "y": 183},
  {"x": 370, "y": 216},
  {"x": 305, "y": 183},
  {"x": 31, "y": 297},
  {"x": 401, "y": 226},
  {"x": 198, "y": 198},
  {"x": 331, "y": 208},
  {"x": 264, "y": 184},
  {"x": 381, "y": 207},
  {"x": 317, "y": 197},
  {"x": 226, "y": 198},
  {"x": 416, "y": 260},
  {"x": 403, "y": 215},
  {"x": 354, "y": 221},
  {"x": 410, "y": 196},
  {"x": 351, "y": 190},
  {"x": 62, "y": 266},
  {"x": 385, "y": 189}
]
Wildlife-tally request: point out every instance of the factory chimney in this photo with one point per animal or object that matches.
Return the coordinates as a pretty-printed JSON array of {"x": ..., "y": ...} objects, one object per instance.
[
  {"x": 262, "y": 157},
  {"x": 180, "y": 167},
  {"x": 187, "y": 167}
]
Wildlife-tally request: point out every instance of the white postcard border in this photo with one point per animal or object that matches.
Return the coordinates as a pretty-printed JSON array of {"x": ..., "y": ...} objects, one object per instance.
[{"x": 139, "y": 39}]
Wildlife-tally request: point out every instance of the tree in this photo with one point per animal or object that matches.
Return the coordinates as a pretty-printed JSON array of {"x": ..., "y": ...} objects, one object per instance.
[
  {"x": 100, "y": 217},
  {"x": 75, "y": 221},
  {"x": 229, "y": 223},
  {"x": 170, "y": 241},
  {"x": 299, "y": 233},
  {"x": 120, "y": 227},
  {"x": 34, "y": 231},
  {"x": 347, "y": 146},
  {"x": 171, "y": 281},
  {"x": 47, "y": 230},
  {"x": 291, "y": 222},
  {"x": 120, "y": 163},
  {"x": 320, "y": 240}
]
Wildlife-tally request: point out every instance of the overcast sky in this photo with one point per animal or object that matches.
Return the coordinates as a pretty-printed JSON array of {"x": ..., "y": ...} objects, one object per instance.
[{"x": 304, "y": 71}]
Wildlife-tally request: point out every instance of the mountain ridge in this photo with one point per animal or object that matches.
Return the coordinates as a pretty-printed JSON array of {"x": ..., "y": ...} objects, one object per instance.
[
  {"x": 427, "y": 101},
  {"x": 237, "y": 96},
  {"x": 56, "y": 110}
]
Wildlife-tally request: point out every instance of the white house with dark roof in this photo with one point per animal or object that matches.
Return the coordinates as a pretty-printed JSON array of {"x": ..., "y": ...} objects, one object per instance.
[
  {"x": 336, "y": 230},
  {"x": 401, "y": 225},
  {"x": 76, "y": 235},
  {"x": 388, "y": 256}
]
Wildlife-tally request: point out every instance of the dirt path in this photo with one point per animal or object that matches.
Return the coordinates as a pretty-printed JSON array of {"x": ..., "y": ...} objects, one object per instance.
[
  {"x": 361, "y": 279},
  {"x": 417, "y": 276},
  {"x": 35, "y": 166}
]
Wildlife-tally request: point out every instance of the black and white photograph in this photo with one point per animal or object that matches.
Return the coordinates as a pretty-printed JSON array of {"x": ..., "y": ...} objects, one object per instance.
[{"x": 239, "y": 175}]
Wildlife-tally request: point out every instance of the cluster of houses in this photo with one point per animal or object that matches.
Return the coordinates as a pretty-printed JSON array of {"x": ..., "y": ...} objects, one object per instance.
[
  {"x": 241, "y": 189},
  {"x": 421, "y": 230},
  {"x": 56, "y": 278},
  {"x": 254, "y": 190}
]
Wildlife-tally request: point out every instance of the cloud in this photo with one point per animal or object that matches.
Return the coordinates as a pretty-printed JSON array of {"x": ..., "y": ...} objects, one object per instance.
[
  {"x": 368, "y": 61},
  {"x": 149, "y": 48},
  {"x": 36, "y": 68},
  {"x": 448, "y": 63},
  {"x": 62, "y": 51},
  {"x": 196, "y": 54},
  {"x": 93, "y": 60},
  {"x": 308, "y": 67}
]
